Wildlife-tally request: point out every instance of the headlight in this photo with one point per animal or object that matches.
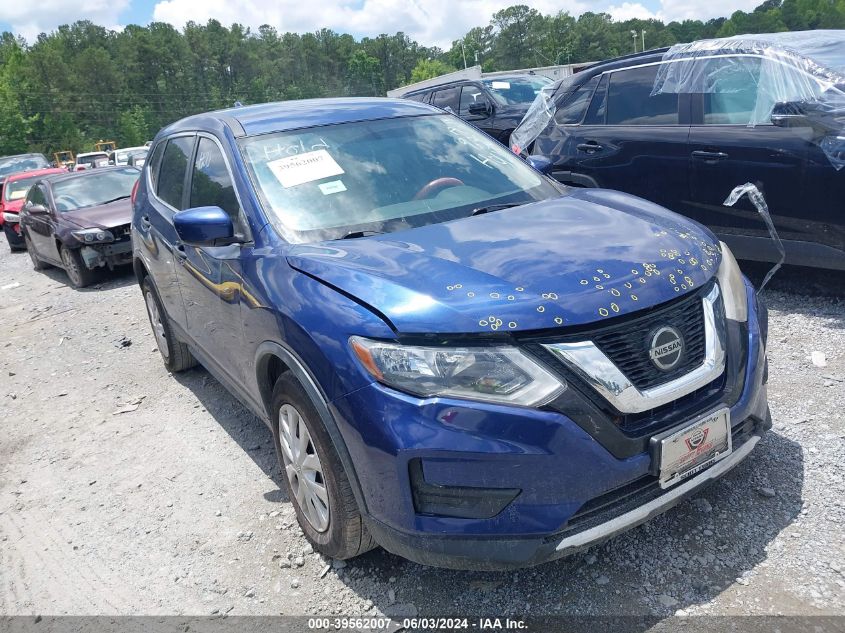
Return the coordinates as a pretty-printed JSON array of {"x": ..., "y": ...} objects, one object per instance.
[
  {"x": 12, "y": 218},
  {"x": 93, "y": 236},
  {"x": 732, "y": 286},
  {"x": 491, "y": 374}
]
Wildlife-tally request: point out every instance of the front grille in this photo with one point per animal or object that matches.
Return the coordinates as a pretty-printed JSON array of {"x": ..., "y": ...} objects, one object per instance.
[
  {"x": 616, "y": 502},
  {"x": 627, "y": 345}
]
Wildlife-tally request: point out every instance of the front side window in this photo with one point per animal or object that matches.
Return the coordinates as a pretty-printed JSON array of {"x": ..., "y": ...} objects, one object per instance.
[
  {"x": 174, "y": 164},
  {"x": 572, "y": 109},
  {"x": 448, "y": 98},
  {"x": 630, "y": 102},
  {"x": 471, "y": 94},
  {"x": 328, "y": 182},
  {"x": 732, "y": 89},
  {"x": 100, "y": 187},
  {"x": 37, "y": 195},
  {"x": 211, "y": 185}
]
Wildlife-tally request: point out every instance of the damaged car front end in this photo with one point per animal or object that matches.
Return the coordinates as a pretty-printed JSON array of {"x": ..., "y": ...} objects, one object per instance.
[{"x": 80, "y": 221}]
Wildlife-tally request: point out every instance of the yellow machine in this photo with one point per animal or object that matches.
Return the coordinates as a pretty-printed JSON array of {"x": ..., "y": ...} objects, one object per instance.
[
  {"x": 64, "y": 159},
  {"x": 105, "y": 146}
]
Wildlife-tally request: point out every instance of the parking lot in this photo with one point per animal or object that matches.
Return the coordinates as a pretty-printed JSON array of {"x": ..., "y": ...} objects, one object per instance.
[{"x": 126, "y": 490}]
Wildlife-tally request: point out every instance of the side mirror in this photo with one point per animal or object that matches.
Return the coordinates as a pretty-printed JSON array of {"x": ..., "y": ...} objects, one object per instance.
[
  {"x": 540, "y": 163},
  {"x": 204, "y": 226},
  {"x": 788, "y": 114},
  {"x": 36, "y": 209},
  {"x": 479, "y": 108}
]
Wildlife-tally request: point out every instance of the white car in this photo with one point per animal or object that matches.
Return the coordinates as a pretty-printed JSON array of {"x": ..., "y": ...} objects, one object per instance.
[
  {"x": 90, "y": 160},
  {"x": 121, "y": 156}
]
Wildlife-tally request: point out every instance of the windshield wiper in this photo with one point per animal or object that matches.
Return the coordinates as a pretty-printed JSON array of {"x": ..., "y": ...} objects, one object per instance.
[
  {"x": 495, "y": 207},
  {"x": 114, "y": 200},
  {"x": 353, "y": 234}
]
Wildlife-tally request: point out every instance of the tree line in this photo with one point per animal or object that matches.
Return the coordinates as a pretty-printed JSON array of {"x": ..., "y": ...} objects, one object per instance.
[{"x": 83, "y": 82}]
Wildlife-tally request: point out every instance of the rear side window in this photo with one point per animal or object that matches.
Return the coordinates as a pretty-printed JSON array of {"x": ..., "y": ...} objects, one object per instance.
[
  {"x": 572, "y": 110},
  {"x": 448, "y": 98},
  {"x": 422, "y": 96},
  {"x": 174, "y": 163},
  {"x": 211, "y": 184},
  {"x": 629, "y": 100}
]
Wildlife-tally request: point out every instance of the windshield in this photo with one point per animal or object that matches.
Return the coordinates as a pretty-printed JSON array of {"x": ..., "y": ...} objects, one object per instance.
[
  {"x": 327, "y": 182},
  {"x": 516, "y": 90},
  {"x": 19, "y": 188},
  {"x": 97, "y": 188},
  {"x": 15, "y": 164}
]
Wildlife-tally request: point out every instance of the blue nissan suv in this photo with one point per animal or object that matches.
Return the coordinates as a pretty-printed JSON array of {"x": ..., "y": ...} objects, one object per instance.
[{"x": 460, "y": 359}]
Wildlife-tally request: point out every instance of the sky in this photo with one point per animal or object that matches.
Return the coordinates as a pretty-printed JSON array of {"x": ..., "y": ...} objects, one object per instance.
[{"x": 429, "y": 22}]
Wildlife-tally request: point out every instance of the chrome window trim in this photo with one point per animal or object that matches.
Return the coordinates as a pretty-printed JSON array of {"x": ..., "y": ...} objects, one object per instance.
[{"x": 591, "y": 364}]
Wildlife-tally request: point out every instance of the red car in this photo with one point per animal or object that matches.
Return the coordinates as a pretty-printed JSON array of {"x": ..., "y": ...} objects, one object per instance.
[{"x": 13, "y": 195}]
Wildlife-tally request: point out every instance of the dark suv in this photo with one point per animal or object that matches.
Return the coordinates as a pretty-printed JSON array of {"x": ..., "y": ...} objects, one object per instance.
[
  {"x": 684, "y": 126},
  {"x": 494, "y": 105}
]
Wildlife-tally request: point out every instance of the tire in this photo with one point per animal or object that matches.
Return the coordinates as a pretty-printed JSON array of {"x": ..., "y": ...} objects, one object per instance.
[
  {"x": 344, "y": 534},
  {"x": 79, "y": 274},
  {"x": 12, "y": 238},
  {"x": 37, "y": 264},
  {"x": 175, "y": 354}
]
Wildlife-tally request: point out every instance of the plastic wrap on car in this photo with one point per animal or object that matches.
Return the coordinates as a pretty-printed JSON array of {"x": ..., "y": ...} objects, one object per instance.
[
  {"x": 759, "y": 201},
  {"x": 804, "y": 70},
  {"x": 539, "y": 115}
]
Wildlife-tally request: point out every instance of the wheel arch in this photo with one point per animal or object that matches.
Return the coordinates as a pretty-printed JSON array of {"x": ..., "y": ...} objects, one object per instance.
[{"x": 271, "y": 361}]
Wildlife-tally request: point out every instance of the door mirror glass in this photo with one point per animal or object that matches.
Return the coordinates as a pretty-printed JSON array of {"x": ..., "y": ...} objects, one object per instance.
[
  {"x": 204, "y": 226},
  {"x": 479, "y": 108}
]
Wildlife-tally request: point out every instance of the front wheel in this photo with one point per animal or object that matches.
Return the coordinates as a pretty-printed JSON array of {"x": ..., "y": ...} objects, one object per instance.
[
  {"x": 78, "y": 273},
  {"x": 315, "y": 479},
  {"x": 37, "y": 264}
]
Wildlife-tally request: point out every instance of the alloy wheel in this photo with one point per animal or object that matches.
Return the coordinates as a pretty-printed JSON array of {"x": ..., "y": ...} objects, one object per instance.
[
  {"x": 71, "y": 267},
  {"x": 157, "y": 324},
  {"x": 303, "y": 468}
]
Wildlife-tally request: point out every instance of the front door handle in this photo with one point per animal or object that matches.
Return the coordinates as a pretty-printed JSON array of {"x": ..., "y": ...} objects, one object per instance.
[
  {"x": 145, "y": 222},
  {"x": 710, "y": 156},
  {"x": 179, "y": 252},
  {"x": 590, "y": 147}
]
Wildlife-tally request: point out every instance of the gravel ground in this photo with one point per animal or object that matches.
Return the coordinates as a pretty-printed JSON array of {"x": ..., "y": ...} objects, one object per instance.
[{"x": 124, "y": 490}]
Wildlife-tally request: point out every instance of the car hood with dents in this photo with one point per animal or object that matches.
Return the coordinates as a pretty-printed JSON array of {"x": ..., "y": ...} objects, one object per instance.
[
  {"x": 593, "y": 255},
  {"x": 104, "y": 216}
]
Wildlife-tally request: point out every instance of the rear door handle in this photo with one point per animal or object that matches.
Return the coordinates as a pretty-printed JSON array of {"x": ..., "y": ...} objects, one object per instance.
[
  {"x": 590, "y": 147},
  {"x": 713, "y": 156},
  {"x": 145, "y": 222}
]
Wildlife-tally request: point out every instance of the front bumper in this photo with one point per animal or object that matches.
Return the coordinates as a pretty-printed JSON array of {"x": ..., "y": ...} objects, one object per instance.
[{"x": 572, "y": 491}]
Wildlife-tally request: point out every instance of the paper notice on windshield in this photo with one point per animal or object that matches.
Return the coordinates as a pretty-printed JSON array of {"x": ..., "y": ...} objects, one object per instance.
[
  {"x": 308, "y": 167},
  {"x": 501, "y": 85}
]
